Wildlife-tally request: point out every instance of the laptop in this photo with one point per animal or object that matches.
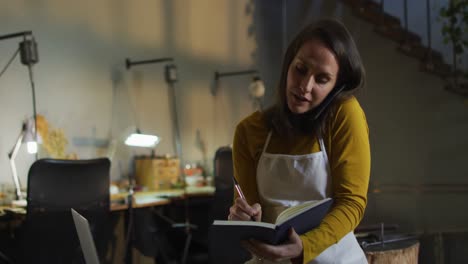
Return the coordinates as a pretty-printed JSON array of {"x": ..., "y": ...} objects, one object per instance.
[{"x": 85, "y": 237}]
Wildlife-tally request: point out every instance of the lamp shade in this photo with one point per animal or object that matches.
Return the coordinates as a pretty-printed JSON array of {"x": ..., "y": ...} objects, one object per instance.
[
  {"x": 30, "y": 137},
  {"x": 257, "y": 88},
  {"x": 142, "y": 140}
]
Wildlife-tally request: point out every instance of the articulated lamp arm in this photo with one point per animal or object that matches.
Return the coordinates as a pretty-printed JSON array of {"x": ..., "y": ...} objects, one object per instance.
[{"x": 12, "y": 156}]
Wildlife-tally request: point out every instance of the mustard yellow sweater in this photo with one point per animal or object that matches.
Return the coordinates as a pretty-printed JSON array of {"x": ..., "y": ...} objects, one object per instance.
[{"x": 347, "y": 146}]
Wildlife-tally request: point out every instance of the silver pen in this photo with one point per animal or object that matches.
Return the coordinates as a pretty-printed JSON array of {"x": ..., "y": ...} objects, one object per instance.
[{"x": 240, "y": 193}]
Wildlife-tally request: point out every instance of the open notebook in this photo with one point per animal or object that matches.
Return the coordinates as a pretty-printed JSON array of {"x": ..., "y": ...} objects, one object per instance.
[
  {"x": 226, "y": 236},
  {"x": 85, "y": 237}
]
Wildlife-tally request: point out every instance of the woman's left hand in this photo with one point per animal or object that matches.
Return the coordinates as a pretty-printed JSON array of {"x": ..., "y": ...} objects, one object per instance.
[{"x": 290, "y": 249}]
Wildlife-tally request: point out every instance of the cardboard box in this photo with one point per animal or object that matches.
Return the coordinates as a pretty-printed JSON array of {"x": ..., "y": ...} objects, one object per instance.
[{"x": 157, "y": 173}]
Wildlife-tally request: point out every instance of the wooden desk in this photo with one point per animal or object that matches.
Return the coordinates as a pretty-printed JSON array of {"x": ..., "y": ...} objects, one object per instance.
[
  {"x": 140, "y": 199},
  {"x": 16, "y": 210},
  {"x": 159, "y": 198},
  {"x": 154, "y": 199}
]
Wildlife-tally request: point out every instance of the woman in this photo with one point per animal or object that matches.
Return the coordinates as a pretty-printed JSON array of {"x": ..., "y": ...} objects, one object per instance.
[{"x": 312, "y": 144}]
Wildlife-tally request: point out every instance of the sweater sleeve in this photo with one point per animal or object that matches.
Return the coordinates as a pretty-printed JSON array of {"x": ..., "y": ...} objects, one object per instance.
[
  {"x": 244, "y": 164},
  {"x": 349, "y": 157}
]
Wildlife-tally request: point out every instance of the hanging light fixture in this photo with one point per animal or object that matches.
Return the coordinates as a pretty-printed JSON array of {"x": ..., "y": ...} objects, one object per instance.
[{"x": 138, "y": 139}]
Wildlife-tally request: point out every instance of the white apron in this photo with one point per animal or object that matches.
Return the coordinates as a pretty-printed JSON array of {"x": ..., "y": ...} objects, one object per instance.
[{"x": 287, "y": 180}]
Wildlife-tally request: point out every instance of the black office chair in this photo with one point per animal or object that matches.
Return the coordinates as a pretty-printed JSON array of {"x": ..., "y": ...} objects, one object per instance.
[
  {"x": 224, "y": 192},
  {"x": 55, "y": 186}
]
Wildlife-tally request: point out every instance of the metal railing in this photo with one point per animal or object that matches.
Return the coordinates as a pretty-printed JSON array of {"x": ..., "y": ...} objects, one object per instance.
[{"x": 436, "y": 59}]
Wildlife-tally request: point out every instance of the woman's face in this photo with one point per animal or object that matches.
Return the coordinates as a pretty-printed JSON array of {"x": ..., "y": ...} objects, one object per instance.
[{"x": 312, "y": 75}]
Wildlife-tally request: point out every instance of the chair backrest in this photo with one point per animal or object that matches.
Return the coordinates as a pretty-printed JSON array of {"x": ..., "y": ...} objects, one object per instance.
[
  {"x": 223, "y": 199},
  {"x": 223, "y": 173},
  {"x": 55, "y": 186},
  {"x": 223, "y": 168}
]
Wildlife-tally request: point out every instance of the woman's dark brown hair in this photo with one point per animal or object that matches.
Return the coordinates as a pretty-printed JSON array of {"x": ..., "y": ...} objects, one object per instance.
[{"x": 351, "y": 74}]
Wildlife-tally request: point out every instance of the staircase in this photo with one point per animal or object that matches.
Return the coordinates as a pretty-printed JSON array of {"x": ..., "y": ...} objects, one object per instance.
[{"x": 408, "y": 42}]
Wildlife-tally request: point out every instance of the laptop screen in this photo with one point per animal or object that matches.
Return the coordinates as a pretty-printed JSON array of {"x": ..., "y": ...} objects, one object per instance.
[{"x": 85, "y": 237}]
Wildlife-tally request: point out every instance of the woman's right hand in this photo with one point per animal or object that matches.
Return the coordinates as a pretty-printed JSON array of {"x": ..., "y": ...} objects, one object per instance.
[{"x": 242, "y": 211}]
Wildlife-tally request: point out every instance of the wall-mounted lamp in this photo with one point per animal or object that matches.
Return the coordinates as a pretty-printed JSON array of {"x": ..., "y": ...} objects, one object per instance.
[
  {"x": 170, "y": 74},
  {"x": 171, "y": 78},
  {"x": 29, "y": 56},
  {"x": 170, "y": 69},
  {"x": 256, "y": 87},
  {"x": 137, "y": 139}
]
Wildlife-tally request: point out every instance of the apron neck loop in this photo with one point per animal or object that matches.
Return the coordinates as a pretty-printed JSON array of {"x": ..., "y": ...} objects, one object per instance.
[{"x": 266, "y": 142}]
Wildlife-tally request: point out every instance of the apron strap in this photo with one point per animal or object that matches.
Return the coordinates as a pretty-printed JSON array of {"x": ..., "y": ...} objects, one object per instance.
[
  {"x": 322, "y": 148},
  {"x": 266, "y": 142}
]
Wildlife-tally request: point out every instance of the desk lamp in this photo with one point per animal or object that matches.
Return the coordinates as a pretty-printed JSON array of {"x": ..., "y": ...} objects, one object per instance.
[
  {"x": 256, "y": 87},
  {"x": 26, "y": 136},
  {"x": 29, "y": 57}
]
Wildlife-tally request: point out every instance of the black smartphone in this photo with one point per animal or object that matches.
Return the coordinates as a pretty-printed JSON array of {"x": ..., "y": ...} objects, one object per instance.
[{"x": 323, "y": 105}]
